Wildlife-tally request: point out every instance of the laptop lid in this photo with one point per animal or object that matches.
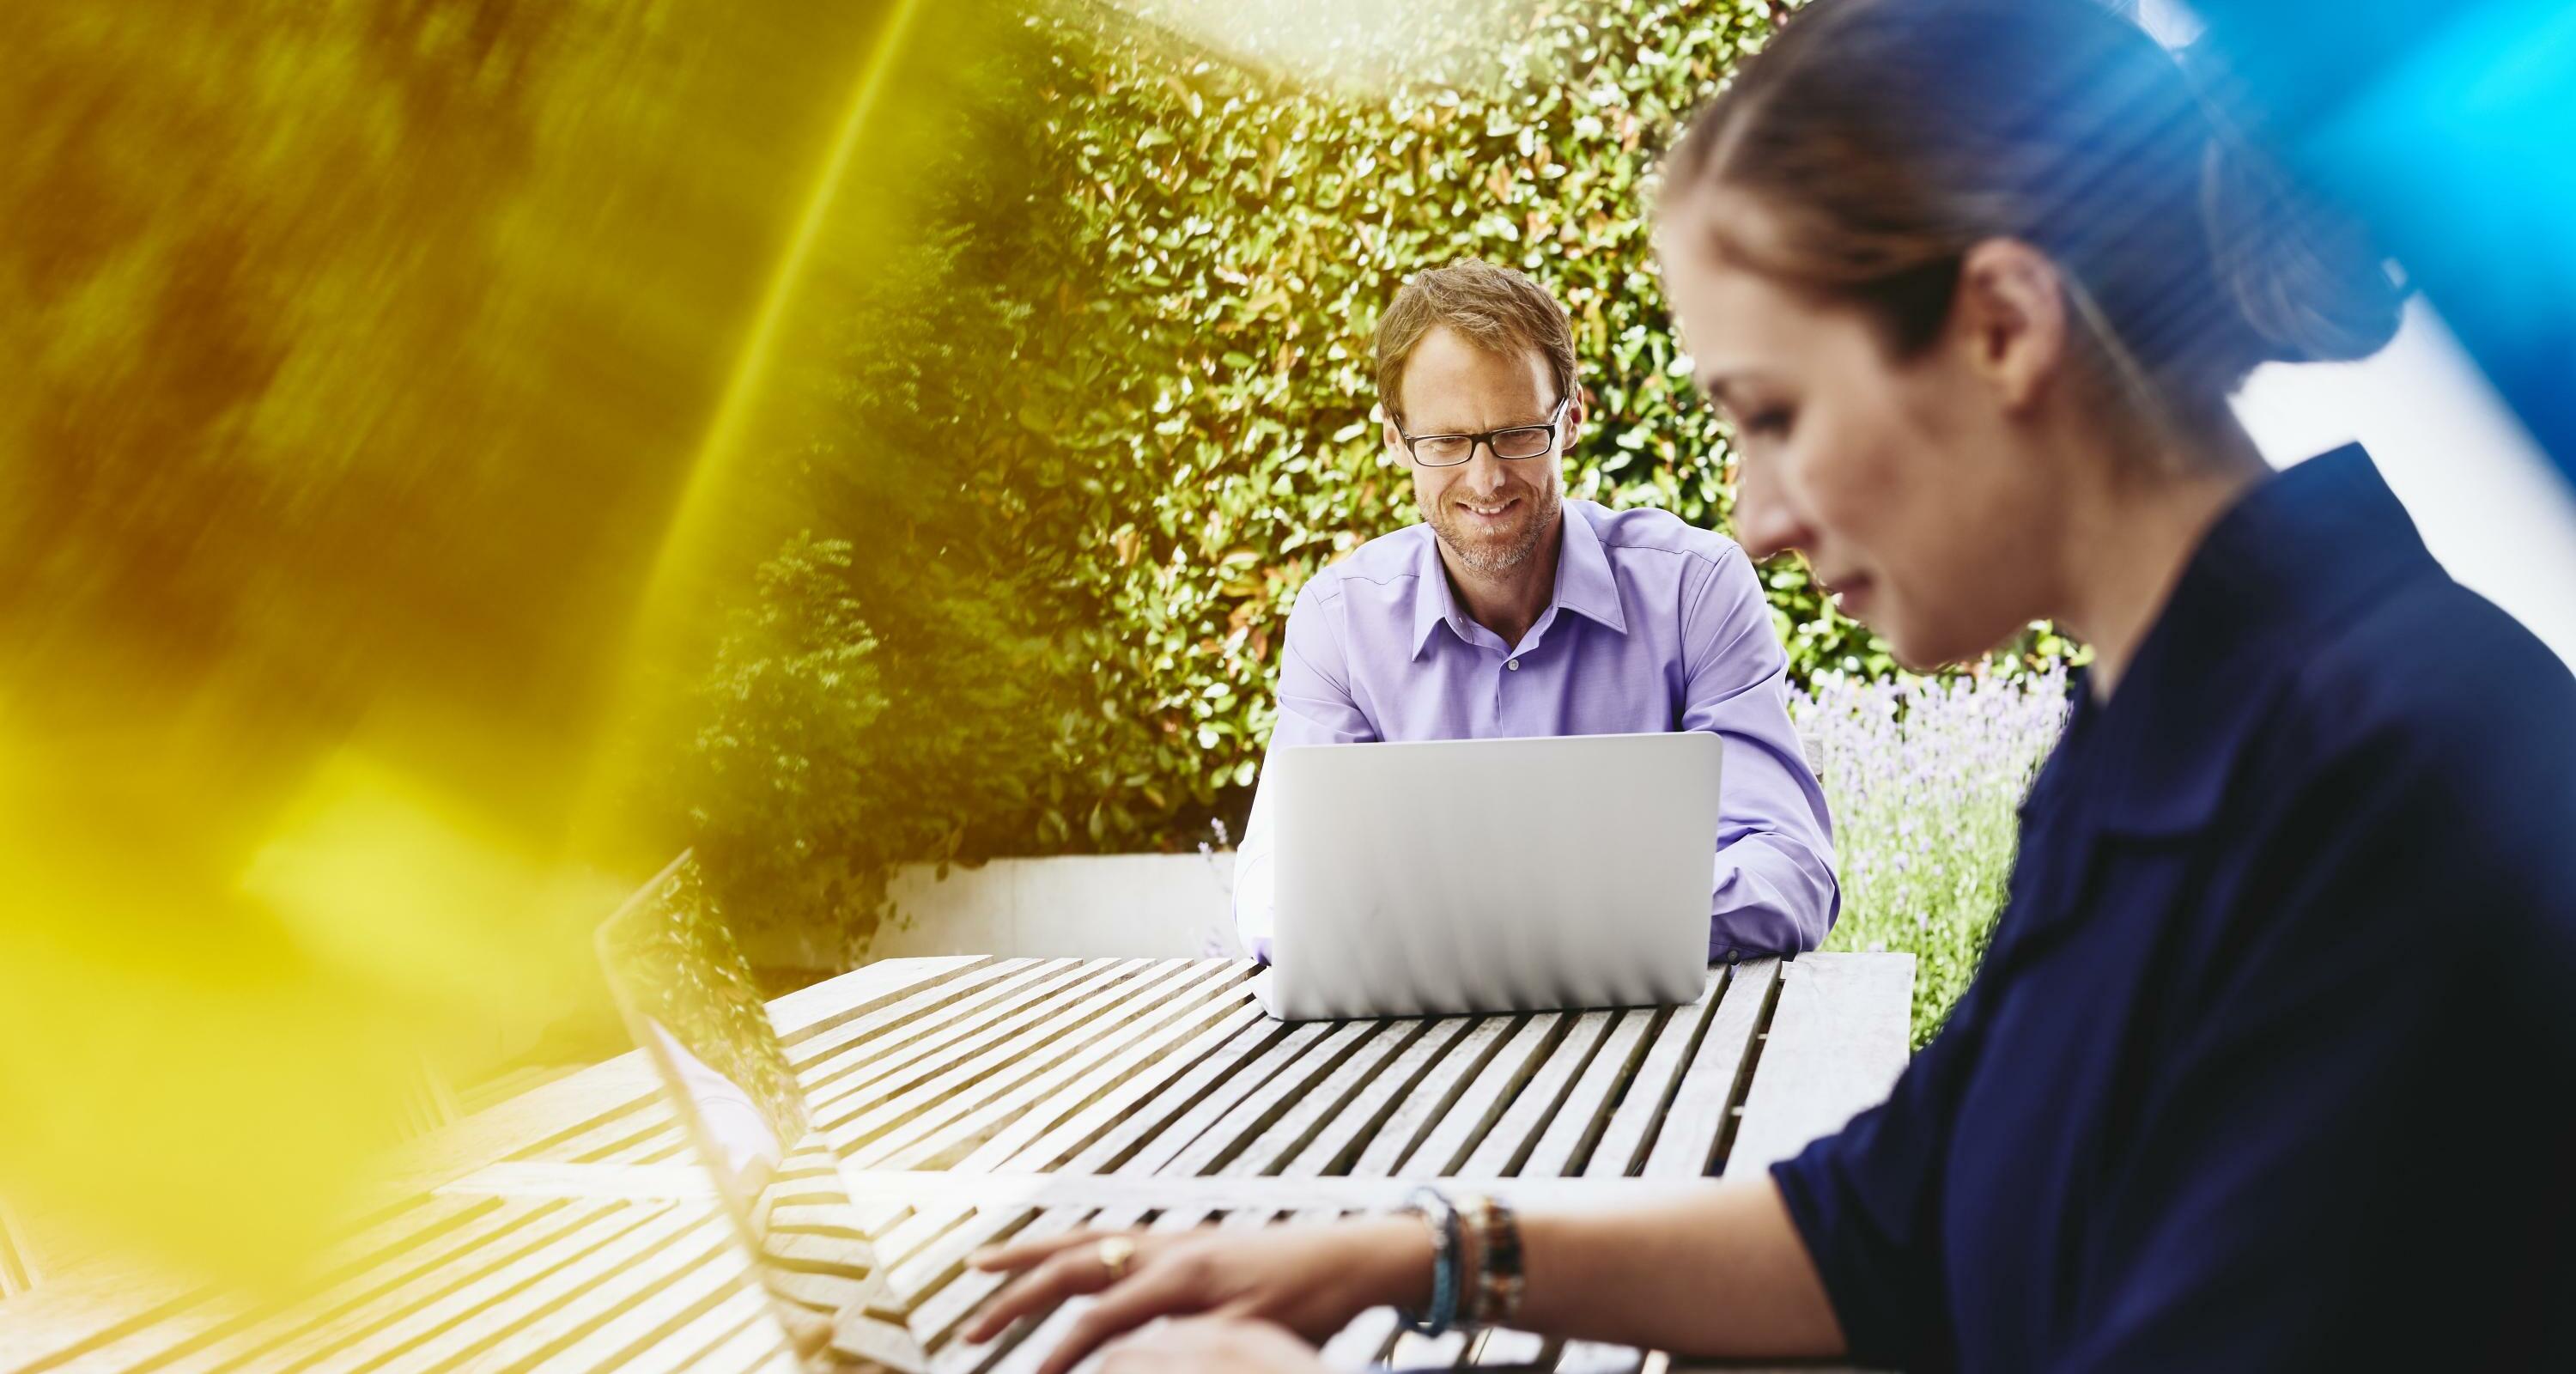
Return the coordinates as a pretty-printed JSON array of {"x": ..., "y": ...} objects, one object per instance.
[
  {"x": 688, "y": 998},
  {"x": 1493, "y": 875}
]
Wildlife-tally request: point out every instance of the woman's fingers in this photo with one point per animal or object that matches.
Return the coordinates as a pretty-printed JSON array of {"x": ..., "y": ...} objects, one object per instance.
[
  {"x": 1047, "y": 1278},
  {"x": 1122, "y": 1309},
  {"x": 1202, "y": 1345},
  {"x": 1020, "y": 1254}
]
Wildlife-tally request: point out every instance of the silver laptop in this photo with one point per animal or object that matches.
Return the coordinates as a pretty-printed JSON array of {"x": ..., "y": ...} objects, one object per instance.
[
  {"x": 688, "y": 997},
  {"x": 1491, "y": 875}
]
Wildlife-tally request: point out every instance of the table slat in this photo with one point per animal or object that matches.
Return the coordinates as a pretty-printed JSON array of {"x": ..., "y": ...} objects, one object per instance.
[
  {"x": 1686, "y": 1139},
  {"x": 1837, "y": 1043}
]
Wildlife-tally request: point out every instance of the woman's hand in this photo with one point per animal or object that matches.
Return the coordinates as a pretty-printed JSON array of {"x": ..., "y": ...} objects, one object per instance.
[
  {"x": 1212, "y": 1345},
  {"x": 1309, "y": 1279}
]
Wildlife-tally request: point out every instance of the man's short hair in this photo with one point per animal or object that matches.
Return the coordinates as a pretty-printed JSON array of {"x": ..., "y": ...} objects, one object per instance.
[{"x": 1496, "y": 308}]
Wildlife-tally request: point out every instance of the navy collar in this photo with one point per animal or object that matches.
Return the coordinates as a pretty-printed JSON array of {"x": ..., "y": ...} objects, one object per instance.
[{"x": 2279, "y": 574}]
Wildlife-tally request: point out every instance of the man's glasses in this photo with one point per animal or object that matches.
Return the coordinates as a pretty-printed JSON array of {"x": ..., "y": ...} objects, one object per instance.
[{"x": 1519, "y": 441}]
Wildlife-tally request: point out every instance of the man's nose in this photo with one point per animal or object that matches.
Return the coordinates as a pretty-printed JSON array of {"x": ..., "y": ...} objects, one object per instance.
[
  {"x": 1486, "y": 470},
  {"x": 1765, "y": 522}
]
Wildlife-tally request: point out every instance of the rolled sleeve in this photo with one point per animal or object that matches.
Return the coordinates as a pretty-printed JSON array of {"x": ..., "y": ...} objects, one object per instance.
[
  {"x": 1774, "y": 890},
  {"x": 1316, "y": 706}
]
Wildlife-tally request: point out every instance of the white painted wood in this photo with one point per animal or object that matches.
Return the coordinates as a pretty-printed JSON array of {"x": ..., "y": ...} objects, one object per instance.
[
  {"x": 548, "y": 1281},
  {"x": 1084, "y": 1102},
  {"x": 1265, "y": 1105},
  {"x": 508, "y": 1233},
  {"x": 996, "y": 1058},
  {"x": 1633, "y": 1122},
  {"x": 1117, "y": 1146},
  {"x": 1364, "y": 1341},
  {"x": 928, "y": 1246},
  {"x": 1837, "y": 1043},
  {"x": 865, "y": 1058},
  {"x": 1099, "y": 1096},
  {"x": 1418, "y": 1111},
  {"x": 1594, "y": 1357},
  {"x": 462, "y": 1296},
  {"x": 810, "y": 1011},
  {"x": 651, "y": 1279},
  {"x": 359, "y": 1275},
  {"x": 929, "y": 1017},
  {"x": 1586, "y": 1110},
  {"x": 1321, "y": 1102},
  {"x": 1685, "y": 1141},
  {"x": 1365, "y": 1118},
  {"x": 1445, "y": 1351},
  {"x": 742, "y": 1314},
  {"x": 928, "y": 1125},
  {"x": 1466, "y": 1121},
  {"x": 1100, "y": 1036},
  {"x": 1503, "y": 1346},
  {"x": 758, "y": 1348},
  {"x": 1518, "y": 1131},
  {"x": 1199, "y": 1100}
]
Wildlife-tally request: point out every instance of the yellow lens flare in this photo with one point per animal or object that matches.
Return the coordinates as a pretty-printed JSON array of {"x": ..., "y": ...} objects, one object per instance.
[
  {"x": 366, "y": 354},
  {"x": 216, "y": 1039}
]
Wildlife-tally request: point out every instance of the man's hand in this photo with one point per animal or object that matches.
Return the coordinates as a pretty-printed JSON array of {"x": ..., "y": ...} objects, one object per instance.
[
  {"x": 1212, "y": 1345},
  {"x": 1312, "y": 1280}
]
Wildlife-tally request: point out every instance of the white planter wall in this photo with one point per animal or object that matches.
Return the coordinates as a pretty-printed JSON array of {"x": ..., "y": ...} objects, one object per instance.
[{"x": 1114, "y": 905}]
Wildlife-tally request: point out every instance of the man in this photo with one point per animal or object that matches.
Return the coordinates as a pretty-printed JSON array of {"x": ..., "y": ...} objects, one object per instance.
[{"x": 1512, "y": 612}]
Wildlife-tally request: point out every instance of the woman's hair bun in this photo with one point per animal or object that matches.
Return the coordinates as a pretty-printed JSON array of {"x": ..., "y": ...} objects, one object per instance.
[{"x": 2309, "y": 281}]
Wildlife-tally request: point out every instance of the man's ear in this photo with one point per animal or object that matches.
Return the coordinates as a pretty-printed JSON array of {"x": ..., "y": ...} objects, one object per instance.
[
  {"x": 1394, "y": 438},
  {"x": 2009, "y": 319},
  {"x": 1574, "y": 413}
]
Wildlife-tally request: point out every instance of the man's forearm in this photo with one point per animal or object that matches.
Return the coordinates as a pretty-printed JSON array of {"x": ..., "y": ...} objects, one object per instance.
[{"x": 1719, "y": 1271}]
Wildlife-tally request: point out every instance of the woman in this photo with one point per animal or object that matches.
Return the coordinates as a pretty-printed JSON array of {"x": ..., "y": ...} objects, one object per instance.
[{"x": 2269, "y": 1063}]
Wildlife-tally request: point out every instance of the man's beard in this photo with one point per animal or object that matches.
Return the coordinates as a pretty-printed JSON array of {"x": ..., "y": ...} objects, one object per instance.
[{"x": 1501, "y": 551}]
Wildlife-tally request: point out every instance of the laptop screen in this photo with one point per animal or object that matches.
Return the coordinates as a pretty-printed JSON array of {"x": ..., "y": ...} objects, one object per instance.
[{"x": 690, "y": 1001}]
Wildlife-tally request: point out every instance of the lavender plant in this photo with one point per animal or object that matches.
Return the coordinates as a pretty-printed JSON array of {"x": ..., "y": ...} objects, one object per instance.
[{"x": 1924, "y": 775}]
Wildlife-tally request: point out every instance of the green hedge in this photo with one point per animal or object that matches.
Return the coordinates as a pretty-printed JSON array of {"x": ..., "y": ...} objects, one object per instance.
[{"x": 1086, "y": 432}]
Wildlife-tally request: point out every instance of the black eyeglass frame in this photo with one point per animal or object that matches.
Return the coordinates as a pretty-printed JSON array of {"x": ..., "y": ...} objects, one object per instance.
[{"x": 1412, "y": 442}]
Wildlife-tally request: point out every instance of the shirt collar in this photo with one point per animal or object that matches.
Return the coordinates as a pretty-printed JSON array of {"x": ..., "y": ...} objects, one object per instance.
[
  {"x": 2286, "y": 566},
  {"x": 1585, "y": 584},
  {"x": 1433, "y": 603}
]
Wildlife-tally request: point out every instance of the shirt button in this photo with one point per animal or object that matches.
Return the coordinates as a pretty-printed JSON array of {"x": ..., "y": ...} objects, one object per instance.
[{"x": 1512, "y": 663}]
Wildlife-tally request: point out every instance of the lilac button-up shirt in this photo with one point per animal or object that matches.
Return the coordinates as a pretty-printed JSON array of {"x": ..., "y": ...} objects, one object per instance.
[{"x": 1655, "y": 625}]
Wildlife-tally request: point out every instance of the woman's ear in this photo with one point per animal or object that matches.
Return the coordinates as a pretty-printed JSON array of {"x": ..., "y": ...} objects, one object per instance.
[{"x": 2010, "y": 319}]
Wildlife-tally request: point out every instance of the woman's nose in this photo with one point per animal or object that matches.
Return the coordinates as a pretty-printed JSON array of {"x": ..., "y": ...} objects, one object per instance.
[{"x": 1765, "y": 523}]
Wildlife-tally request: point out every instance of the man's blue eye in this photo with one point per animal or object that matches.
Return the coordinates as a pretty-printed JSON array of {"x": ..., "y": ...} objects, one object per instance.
[{"x": 1766, "y": 422}]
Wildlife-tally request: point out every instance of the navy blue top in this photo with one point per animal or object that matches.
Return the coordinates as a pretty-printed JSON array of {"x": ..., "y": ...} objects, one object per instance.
[{"x": 2271, "y": 1064}]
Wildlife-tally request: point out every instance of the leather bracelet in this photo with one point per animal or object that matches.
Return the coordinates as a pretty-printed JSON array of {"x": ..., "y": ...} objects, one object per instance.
[
  {"x": 1499, "y": 1282},
  {"x": 1447, "y": 1282}
]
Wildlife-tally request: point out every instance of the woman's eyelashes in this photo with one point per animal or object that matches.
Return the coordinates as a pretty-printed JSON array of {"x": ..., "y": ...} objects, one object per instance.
[{"x": 1769, "y": 423}]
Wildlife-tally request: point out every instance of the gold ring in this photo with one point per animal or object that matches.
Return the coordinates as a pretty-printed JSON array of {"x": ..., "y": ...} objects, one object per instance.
[{"x": 1116, "y": 1253}]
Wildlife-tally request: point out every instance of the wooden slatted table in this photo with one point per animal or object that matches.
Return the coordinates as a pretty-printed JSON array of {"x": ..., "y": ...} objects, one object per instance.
[{"x": 568, "y": 1229}]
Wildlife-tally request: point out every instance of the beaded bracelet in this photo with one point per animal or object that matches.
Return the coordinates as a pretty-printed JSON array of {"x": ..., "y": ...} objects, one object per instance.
[
  {"x": 1499, "y": 1282},
  {"x": 1434, "y": 1207}
]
